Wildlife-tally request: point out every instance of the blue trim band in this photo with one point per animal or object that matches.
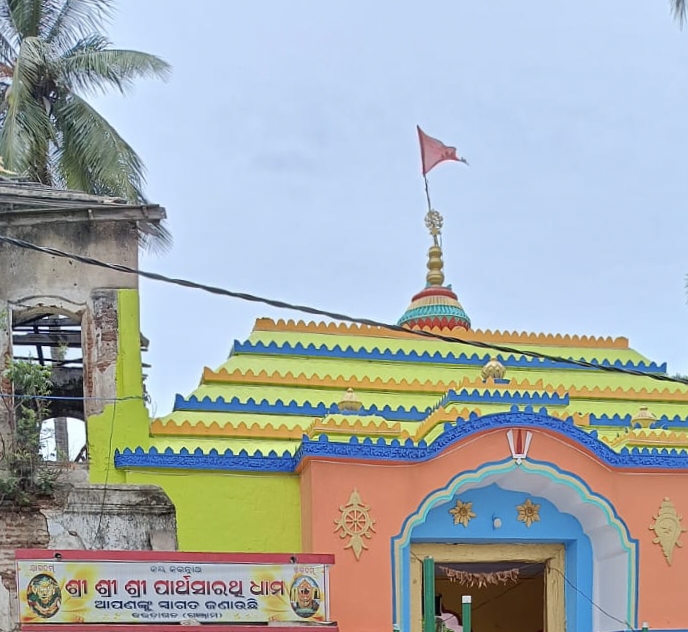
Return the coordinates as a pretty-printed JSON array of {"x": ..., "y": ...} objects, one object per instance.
[
  {"x": 626, "y": 420},
  {"x": 394, "y": 452},
  {"x": 307, "y": 409},
  {"x": 321, "y": 351}
]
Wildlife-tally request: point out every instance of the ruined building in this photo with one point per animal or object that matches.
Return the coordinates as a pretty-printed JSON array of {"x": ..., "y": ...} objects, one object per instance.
[{"x": 64, "y": 315}]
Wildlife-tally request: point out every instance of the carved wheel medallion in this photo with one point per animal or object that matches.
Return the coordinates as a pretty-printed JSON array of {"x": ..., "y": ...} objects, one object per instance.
[{"x": 355, "y": 523}]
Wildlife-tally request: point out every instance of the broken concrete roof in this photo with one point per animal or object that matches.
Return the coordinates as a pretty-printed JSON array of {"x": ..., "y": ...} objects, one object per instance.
[{"x": 23, "y": 203}]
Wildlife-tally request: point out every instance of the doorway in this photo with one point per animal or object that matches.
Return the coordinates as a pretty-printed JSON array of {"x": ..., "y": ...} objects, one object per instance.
[{"x": 512, "y": 586}]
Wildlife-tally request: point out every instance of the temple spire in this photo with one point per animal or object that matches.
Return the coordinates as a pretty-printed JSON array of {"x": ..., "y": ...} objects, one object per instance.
[{"x": 436, "y": 306}]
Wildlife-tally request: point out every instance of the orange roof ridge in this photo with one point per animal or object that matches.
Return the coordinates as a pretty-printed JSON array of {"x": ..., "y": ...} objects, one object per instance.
[
  {"x": 512, "y": 384},
  {"x": 648, "y": 437},
  {"x": 478, "y": 335},
  {"x": 643, "y": 394},
  {"x": 356, "y": 425},
  {"x": 314, "y": 381},
  {"x": 239, "y": 430}
]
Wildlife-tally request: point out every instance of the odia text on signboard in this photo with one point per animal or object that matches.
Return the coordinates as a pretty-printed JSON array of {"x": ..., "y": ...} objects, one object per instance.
[{"x": 85, "y": 591}]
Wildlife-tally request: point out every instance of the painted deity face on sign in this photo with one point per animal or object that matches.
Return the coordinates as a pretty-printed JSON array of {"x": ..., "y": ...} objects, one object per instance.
[
  {"x": 44, "y": 596},
  {"x": 305, "y": 595}
]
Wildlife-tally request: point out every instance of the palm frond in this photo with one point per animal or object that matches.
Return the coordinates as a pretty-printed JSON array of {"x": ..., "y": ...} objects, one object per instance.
[
  {"x": 9, "y": 32},
  {"x": 679, "y": 9},
  {"x": 8, "y": 53},
  {"x": 77, "y": 19},
  {"x": 93, "y": 157},
  {"x": 50, "y": 51},
  {"x": 26, "y": 16},
  {"x": 26, "y": 129},
  {"x": 90, "y": 67}
]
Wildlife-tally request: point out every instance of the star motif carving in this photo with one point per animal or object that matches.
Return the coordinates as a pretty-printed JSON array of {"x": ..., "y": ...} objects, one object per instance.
[
  {"x": 463, "y": 513},
  {"x": 528, "y": 512}
]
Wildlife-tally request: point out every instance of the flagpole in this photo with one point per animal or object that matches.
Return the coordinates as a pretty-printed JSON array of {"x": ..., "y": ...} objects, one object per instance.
[{"x": 427, "y": 192}]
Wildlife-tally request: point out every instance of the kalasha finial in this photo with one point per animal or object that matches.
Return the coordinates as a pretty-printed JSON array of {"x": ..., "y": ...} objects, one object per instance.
[
  {"x": 435, "y": 275},
  {"x": 434, "y": 222},
  {"x": 350, "y": 402}
]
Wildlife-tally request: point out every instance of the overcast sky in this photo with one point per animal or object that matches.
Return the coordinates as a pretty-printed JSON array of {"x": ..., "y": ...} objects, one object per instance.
[{"x": 284, "y": 150}]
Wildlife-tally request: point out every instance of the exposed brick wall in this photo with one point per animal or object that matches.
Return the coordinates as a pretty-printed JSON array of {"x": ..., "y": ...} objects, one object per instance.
[{"x": 19, "y": 529}]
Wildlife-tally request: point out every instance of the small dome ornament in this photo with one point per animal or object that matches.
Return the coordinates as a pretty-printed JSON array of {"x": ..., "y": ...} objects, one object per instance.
[
  {"x": 349, "y": 402},
  {"x": 494, "y": 370},
  {"x": 644, "y": 418}
]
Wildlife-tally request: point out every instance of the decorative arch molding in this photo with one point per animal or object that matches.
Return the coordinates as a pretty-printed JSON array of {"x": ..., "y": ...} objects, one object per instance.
[{"x": 614, "y": 561}]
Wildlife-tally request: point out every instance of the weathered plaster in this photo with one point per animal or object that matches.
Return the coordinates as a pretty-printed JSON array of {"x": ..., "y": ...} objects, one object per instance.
[{"x": 125, "y": 517}]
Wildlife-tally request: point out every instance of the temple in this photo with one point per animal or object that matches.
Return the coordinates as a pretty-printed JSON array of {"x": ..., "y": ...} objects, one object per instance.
[
  {"x": 549, "y": 491},
  {"x": 541, "y": 475}
]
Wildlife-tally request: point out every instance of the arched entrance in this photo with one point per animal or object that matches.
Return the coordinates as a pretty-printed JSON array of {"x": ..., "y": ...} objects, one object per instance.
[{"x": 599, "y": 574}]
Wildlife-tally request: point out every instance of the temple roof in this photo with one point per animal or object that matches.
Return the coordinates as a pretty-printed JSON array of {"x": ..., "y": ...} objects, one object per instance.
[
  {"x": 288, "y": 380},
  {"x": 296, "y": 388}
]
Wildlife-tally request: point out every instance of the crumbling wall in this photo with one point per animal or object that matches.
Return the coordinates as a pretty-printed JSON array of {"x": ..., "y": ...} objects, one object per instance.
[
  {"x": 34, "y": 282},
  {"x": 123, "y": 517}
]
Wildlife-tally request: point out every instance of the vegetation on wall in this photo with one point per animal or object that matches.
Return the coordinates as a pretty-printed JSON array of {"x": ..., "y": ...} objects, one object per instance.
[{"x": 24, "y": 475}]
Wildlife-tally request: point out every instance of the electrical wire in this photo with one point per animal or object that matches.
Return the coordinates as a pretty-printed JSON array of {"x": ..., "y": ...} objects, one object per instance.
[
  {"x": 107, "y": 478},
  {"x": 73, "y": 398},
  {"x": 314, "y": 311},
  {"x": 592, "y": 603}
]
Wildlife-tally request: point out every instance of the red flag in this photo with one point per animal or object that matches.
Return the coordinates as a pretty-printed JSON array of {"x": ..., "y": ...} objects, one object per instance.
[{"x": 433, "y": 151}]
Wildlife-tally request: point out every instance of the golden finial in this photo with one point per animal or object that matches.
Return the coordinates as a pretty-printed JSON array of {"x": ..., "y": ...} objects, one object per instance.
[
  {"x": 350, "y": 402},
  {"x": 435, "y": 275}
]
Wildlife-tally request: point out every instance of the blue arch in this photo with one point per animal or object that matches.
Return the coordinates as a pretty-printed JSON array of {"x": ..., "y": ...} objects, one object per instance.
[
  {"x": 431, "y": 522},
  {"x": 554, "y": 526}
]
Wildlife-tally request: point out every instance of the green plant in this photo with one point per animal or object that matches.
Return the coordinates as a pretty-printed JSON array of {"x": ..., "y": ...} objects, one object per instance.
[{"x": 24, "y": 474}]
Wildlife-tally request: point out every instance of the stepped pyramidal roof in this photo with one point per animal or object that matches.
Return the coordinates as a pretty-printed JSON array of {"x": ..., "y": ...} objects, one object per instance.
[{"x": 293, "y": 383}]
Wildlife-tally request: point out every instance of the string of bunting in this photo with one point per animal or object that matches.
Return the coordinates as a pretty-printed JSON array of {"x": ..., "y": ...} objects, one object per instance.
[{"x": 480, "y": 579}]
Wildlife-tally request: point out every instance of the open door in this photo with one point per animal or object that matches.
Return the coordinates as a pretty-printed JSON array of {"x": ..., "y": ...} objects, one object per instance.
[{"x": 508, "y": 583}]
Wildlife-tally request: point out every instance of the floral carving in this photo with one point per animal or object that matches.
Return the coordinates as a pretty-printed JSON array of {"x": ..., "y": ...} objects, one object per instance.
[
  {"x": 463, "y": 513},
  {"x": 355, "y": 523},
  {"x": 528, "y": 512}
]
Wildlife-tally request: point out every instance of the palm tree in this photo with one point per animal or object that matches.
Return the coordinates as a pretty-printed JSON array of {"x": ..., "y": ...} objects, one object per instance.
[
  {"x": 53, "y": 53},
  {"x": 679, "y": 8}
]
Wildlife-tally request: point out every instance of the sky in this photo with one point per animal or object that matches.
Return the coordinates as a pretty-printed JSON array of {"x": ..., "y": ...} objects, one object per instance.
[{"x": 284, "y": 150}]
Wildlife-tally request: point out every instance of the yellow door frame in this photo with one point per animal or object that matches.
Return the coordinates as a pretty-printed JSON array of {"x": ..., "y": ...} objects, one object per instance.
[{"x": 552, "y": 555}]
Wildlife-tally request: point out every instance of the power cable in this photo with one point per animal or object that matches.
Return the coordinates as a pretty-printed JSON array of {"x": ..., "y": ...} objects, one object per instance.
[
  {"x": 592, "y": 603},
  {"x": 314, "y": 311},
  {"x": 72, "y": 398}
]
